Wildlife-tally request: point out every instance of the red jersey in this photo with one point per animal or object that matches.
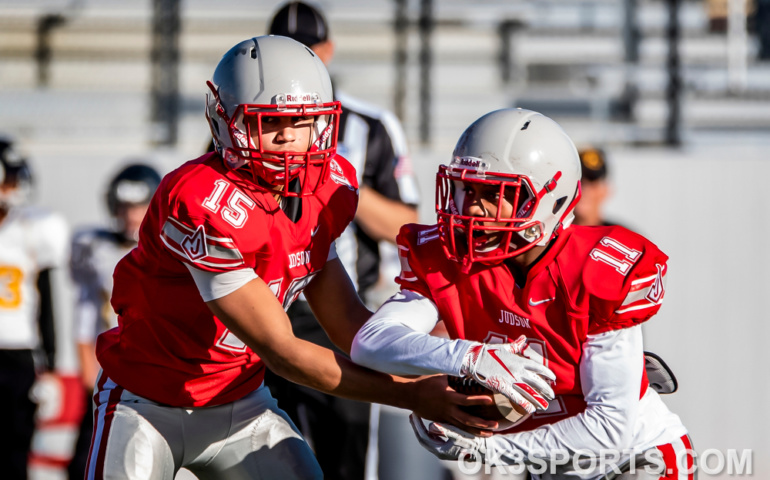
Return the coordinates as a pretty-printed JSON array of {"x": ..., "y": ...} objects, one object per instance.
[
  {"x": 168, "y": 345},
  {"x": 591, "y": 280}
]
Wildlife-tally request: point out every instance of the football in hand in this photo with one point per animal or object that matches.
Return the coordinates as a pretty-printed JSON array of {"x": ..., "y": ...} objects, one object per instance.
[{"x": 505, "y": 413}]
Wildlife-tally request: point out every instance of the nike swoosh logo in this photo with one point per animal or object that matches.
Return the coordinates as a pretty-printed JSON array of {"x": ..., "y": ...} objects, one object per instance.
[
  {"x": 493, "y": 354},
  {"x": 540, "y": 302},
  {"x": 520, "y": 385}
]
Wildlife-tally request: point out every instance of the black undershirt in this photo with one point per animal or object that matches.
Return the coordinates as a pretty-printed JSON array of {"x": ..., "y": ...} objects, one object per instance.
[{"x": 292, "y": 206}]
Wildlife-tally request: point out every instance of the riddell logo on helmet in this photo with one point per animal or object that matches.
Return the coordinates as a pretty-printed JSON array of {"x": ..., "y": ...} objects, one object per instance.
[
  {"x": 468, "y": 162},
  {"x": 319, "y": 143},
  {"x": 301, "y": 98}
]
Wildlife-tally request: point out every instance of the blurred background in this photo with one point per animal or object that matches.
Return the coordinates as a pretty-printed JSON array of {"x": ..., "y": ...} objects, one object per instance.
[{"x": 676, "y": 92}]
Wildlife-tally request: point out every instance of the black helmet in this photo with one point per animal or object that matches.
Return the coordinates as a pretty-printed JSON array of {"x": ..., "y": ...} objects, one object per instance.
[
  {"x": 135, "y": 184},
  {"x": 14, "y": 169}
]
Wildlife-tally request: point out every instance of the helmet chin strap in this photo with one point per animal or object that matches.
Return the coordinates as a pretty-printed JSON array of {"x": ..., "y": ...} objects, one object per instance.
[
  {"x": 322, "y": 137},
  {"x": 488, "y": 247}
]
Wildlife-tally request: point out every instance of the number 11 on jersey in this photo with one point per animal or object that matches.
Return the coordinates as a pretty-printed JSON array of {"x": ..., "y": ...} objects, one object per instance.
[{"x": 623, "y": 264}]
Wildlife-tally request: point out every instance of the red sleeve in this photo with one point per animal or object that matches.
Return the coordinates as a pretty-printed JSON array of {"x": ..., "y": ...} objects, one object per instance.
[
  {"x": 625, "y": 278},
  {"x": 409, "y": 241},
  {"x": 208, "y": 223},
  {"x": 342, "y": 204}
]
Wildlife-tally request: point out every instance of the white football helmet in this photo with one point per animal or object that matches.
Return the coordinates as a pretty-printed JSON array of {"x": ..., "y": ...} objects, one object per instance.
[
  {"x": 537, "y": 168},
  {"x": 272, "y": 76}
]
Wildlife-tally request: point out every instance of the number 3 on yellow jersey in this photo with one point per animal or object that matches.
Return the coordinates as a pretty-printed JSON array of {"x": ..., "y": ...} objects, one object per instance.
[{"x": 10, "y": 287}]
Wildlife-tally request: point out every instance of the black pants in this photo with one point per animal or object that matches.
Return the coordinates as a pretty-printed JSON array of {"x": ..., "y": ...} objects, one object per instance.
[
  {"x": 762, "y": 15},
  {"x": 17, "y": 412},
  {"x": 336, "y": 428}
]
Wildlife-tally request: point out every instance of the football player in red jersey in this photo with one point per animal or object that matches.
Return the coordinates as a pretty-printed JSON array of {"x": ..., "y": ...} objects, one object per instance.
[
  {"x": 229, "y": 241},
  {"x": 503, "y": 262}
]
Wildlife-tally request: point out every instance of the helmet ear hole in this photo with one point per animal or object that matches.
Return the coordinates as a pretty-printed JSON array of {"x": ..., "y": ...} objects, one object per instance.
[{"x": 558, "y": 204}]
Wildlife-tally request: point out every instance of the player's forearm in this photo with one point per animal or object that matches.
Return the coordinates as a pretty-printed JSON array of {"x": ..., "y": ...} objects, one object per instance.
[
  {"x": 253, "y": 315},
  {"x": 396, "y": 340},
  {"x": 399, "y": 350},
  {"x": 89, "y": 365},
  {"x": 321, "y": 369},
  {"x": 46, "y": 322},
  {"x": 591, "y": 432},
  {"x": 380, "y": 217}
]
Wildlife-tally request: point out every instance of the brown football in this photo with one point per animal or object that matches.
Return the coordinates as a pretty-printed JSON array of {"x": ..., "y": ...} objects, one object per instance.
[{"x": 505, "y": 413}]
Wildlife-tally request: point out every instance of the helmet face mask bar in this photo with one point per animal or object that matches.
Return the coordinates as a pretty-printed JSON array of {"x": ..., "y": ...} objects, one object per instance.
[
  {"x": 273, "y": 170},
  {"x": 246, "y": 93},
  {"x": 467, "y": 238}
]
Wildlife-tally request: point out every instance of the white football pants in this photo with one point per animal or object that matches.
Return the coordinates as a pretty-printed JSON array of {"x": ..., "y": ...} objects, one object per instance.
[{"x": 251, "y": 438}]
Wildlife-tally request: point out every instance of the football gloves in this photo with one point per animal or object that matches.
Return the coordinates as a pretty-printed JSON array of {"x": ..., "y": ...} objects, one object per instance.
[
  {"x": 502, "y": 369},
  {"x": 448, "y": 443}
]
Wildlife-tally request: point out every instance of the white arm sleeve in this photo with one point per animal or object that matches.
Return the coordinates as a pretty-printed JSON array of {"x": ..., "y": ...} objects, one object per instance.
[
  {"x": 216, "y": 285},
  {"x": 397, "y": 340},
  {"x": 611, "y": 376}
]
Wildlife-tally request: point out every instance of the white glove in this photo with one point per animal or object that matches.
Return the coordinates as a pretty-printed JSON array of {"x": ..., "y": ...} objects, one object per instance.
[
  {"x": 48, "y": 393},
  {"x": 447, "y": 442},
  {"x": 501, "y": 368}
]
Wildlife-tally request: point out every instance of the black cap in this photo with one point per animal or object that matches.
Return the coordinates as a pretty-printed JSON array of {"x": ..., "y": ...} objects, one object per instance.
[
  {"x": 301, "y": 22},
  {"x": 593, "y": 162}
]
